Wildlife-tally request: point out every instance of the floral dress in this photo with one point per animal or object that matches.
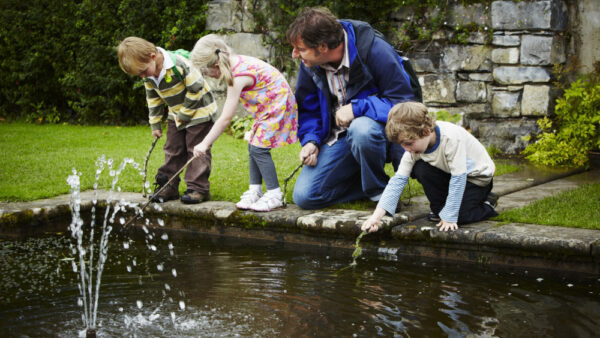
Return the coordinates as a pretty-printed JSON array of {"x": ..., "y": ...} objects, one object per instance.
[{"x": 270, "y": 101}]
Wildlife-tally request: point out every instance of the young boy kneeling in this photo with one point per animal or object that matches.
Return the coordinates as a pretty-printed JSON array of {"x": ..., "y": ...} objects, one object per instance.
[{"x": 454, "y": 168}]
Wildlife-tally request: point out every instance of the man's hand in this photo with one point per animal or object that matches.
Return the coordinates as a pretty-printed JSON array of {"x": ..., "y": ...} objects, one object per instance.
[
  {"x": 157, "y": 133},
  {"x": 308, "y": 154},
  {"x": 344, "y": 115},
  {"x": 200, "y": 149},
  {"x": 445, "y": 226}
]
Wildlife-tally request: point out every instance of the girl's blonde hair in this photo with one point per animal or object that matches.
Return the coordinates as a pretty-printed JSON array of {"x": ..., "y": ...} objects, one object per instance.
[
  {"x": 408, "y": 121},
  {"x": 134, "y": 53},
  {"x": 211, "y": 50}
]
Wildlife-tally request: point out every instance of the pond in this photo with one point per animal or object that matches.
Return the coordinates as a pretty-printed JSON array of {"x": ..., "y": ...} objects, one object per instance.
[{"x": 179, "y": 284}]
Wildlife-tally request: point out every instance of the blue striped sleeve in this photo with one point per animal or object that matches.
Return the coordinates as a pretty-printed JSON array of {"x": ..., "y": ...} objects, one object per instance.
[
  {"x": 456, "y": 190},
  {"x": 391, "y": 193}
]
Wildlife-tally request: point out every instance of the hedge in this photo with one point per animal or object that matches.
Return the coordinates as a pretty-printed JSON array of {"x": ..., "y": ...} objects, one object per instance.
[{"x": 59, "y": 62}]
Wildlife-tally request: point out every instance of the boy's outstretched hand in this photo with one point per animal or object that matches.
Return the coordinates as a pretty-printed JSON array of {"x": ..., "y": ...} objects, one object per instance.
[
  {"x": 157, "y": 133},
  {"x": 372, "y": 223},
  {"x": 445, "y": 226}
]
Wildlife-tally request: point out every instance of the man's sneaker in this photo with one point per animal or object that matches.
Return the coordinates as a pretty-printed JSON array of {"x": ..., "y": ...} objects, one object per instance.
[
  {"x": 194, "y": 197},
  {"x": 492, "y": 200},
  {"x": 269, "y": 201},
  {"x": 248, "y": 198},
  {"x": 433, "y": 217},
  {"x": 171, "y": 192}
]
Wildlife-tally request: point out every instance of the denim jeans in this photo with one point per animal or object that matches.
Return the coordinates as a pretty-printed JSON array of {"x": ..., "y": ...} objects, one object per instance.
[{"x": 350, "y": 169}]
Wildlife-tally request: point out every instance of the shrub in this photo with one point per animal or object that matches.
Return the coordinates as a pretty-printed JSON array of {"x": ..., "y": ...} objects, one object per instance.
[
  {"x": 59, "y": 62},
  {"x": 575, "y": 130}
]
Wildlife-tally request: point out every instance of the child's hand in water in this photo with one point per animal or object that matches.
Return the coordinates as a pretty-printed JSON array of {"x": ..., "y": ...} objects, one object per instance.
[
  {"x": 372, "y": 223},
  {"x": 200, "y": 149}
]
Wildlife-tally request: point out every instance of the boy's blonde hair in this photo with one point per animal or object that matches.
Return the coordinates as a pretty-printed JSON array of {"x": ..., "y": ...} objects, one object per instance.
[
  {"x": 211, "y": 50},
  {"x": 408, "y": 121},
  {"x": 134, "y": 53}
]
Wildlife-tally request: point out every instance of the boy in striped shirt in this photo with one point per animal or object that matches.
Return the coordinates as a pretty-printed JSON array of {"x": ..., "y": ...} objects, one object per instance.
[
  {"x": 170, "y": 81},
  {"x": 452, "y": 165}
]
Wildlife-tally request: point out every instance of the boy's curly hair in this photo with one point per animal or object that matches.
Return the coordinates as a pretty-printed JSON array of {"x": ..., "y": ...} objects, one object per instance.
[{"x": 408, "y": 121}]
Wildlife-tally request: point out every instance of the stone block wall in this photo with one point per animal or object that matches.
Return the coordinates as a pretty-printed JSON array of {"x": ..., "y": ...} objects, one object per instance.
[{"x": 500, "y": 82}]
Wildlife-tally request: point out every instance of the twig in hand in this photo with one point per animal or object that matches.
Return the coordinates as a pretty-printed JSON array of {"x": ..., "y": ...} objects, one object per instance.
[
  {"x": 160, "y": 190},
  {"x": 146, "y": 166},
  {"x": 287, "y": 179}
]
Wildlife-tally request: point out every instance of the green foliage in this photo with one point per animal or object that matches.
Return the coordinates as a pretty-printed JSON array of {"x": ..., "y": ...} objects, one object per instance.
[
  {"x": 59, "y": 62},
  {"x": 240, "y": 125},
  {"x": 444, "y": 115},
  {"x": 567, "y": 140}
]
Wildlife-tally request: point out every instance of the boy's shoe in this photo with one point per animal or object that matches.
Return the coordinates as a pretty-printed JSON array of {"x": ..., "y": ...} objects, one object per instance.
[
  {"x": 433, "y": 217},
  {"x": 169, "y": 193},
  {"x": 269, "y": 201},
  {"x": 248, "y": 198},
  {"x": 492, "y": 200},
  {"x": 194, "y": 197}
]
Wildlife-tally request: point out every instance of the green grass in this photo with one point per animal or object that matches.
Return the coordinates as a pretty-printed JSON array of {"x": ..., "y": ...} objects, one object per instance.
[
  {"x": 577, "y": 208},
  {"x": 37, "y": 159}
]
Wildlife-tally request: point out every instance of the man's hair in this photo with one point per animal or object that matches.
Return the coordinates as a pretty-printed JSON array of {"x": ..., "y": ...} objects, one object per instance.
[
  {"x": 316, "y": 26},
  {"x": 408, "y": 121},
  {"x": 134, "y": 53}
]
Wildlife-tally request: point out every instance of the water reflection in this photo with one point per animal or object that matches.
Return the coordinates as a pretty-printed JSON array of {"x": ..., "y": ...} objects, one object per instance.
[{"x": 233, "y": 288}]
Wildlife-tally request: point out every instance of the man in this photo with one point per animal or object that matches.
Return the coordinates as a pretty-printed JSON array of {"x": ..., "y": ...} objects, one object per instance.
[{"x": 348, "y": 81}]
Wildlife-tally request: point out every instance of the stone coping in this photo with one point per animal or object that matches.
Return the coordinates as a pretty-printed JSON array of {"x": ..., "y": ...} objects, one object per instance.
[{"x": 407, "y": 233}]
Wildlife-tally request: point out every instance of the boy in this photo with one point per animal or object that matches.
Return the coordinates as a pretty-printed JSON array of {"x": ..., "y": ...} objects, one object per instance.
[
  {"x": 170, "y": 80},
  {"x": 454, "y": 168}
]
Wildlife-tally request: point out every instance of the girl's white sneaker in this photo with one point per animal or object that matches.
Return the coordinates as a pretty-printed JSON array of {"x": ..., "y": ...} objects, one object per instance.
[
  {"x": 271, "y": 200},
  {"x": 248, "y": 198}
]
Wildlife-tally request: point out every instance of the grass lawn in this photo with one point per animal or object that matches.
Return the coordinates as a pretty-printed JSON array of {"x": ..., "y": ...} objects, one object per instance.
[
  {"x": 37, "y": 159},
  {"x": 577, "y": 208}
]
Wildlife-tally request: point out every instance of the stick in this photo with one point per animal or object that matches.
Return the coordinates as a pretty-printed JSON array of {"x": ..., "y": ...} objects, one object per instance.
[
  {"x": 146, "y": 166},
  {"x": 160, "y": 190},
  {"x": 287, "y": 179}
]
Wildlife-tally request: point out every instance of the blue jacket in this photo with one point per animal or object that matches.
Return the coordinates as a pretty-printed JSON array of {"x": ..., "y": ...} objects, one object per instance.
[{"x": 377, "y": 81}]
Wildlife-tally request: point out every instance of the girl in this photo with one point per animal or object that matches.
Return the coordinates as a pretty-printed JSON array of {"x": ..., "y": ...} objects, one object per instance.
[{"x": 267, "y": 96}]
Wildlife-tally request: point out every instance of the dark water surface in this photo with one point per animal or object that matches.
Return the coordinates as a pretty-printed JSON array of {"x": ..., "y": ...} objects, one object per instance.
[{"x": 211, "y": 287}]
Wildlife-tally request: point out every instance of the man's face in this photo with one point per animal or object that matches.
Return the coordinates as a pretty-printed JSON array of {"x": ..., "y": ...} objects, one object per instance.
[{"x": 311, "y": 57}]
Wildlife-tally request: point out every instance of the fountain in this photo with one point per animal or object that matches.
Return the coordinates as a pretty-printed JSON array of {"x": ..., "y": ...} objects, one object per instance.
[{"x": 92, "y": 253}]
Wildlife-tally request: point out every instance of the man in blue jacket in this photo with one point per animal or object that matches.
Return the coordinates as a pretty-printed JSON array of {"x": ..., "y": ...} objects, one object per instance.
[{"x": 348, "y": 81}]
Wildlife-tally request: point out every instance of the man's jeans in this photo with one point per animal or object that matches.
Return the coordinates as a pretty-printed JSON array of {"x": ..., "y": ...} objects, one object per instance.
[{"x": 350, "y": 169}]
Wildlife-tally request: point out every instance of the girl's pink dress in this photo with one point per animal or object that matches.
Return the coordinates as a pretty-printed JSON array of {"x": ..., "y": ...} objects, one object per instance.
[{"x": 270, "y": 101}]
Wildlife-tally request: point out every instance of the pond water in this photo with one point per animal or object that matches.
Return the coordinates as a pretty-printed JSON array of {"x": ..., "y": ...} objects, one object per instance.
[{"x": 177, "y": 284}]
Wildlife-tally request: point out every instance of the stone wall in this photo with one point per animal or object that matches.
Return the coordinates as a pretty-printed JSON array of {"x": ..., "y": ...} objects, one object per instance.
[{"x": 500, "y": 82}]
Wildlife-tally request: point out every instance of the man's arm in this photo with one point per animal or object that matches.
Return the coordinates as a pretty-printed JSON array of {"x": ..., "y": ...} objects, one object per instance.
[
  {"x": 310, "y": 122},
  {"x": 391, "y": 80}
]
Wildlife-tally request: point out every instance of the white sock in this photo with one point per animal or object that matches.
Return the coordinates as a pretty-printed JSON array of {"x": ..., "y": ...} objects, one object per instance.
[
  {"x": 275, "y": 191},
  {"x": 255, "y": 187}
]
